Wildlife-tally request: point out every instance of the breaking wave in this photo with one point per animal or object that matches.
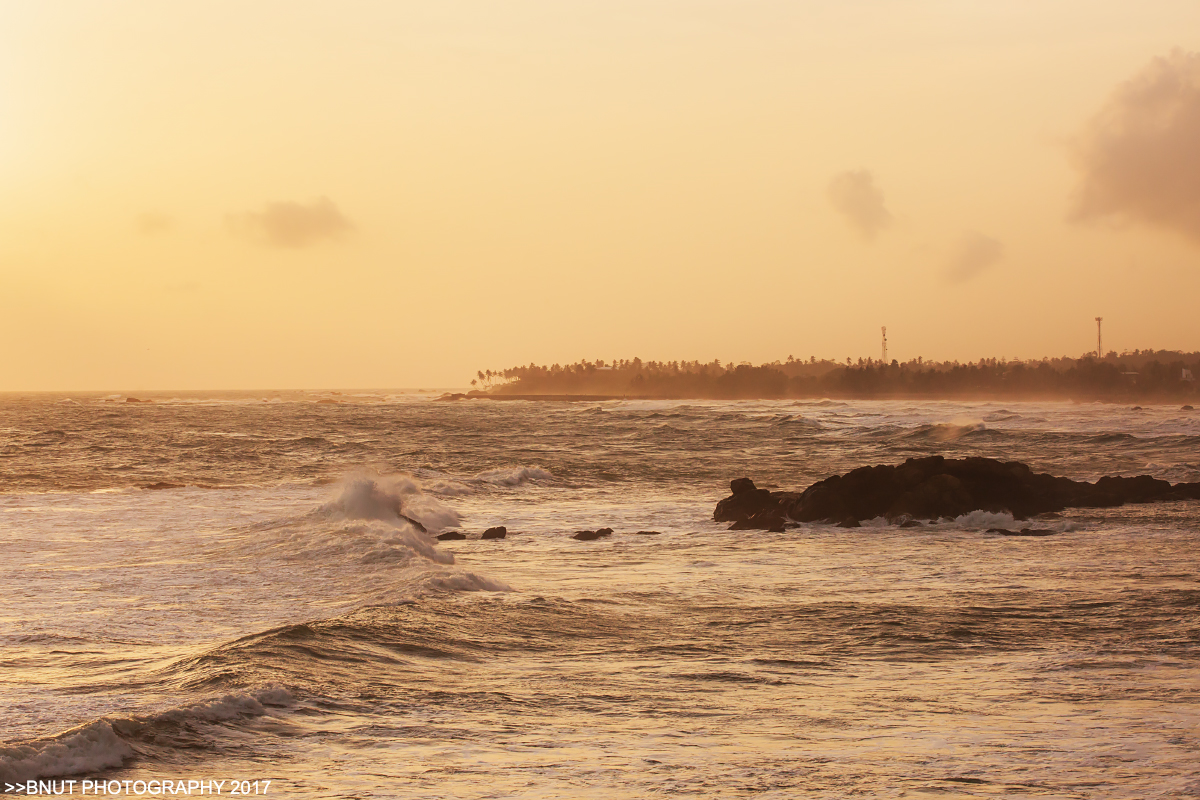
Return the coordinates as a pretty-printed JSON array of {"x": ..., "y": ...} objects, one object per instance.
[
  {"x": 394, "y": 499},
  {"x": 106, "y": 743},
  {"x": 514, "y": 477}
]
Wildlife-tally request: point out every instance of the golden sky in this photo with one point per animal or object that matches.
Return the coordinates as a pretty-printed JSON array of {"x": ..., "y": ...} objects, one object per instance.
[{"x": 296, "y": 194}]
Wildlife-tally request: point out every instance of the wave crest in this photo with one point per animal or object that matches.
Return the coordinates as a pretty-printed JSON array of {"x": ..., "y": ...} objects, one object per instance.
[
  {"x": 395, "y": 499},
  {"x": 514, "y": 477},
  {"x": 103, "y": 743}
]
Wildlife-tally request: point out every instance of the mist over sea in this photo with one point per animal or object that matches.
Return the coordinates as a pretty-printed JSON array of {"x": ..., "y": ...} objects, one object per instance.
[{"x": 217, "y": 586}]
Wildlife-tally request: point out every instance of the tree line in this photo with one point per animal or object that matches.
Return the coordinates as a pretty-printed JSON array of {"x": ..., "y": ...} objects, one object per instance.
[{"x": 1137, "y": 375}]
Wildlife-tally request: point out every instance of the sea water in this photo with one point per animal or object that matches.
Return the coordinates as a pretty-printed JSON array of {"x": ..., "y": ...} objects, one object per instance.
[{"x": 264, "y": 619}]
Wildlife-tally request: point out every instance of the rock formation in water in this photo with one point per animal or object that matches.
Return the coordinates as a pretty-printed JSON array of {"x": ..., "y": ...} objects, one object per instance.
[
  {"x": 589, "y": 536},
  {"x": 936, "y": 487},
  {"x": 498, "y": 532}
]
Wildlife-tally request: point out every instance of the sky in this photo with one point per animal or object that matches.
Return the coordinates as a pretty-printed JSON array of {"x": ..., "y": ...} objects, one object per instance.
[{"x": 260, "y": 194}]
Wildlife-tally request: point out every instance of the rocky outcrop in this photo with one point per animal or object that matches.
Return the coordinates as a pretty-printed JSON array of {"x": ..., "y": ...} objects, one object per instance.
[
  {"x": 590, "y": 536},
  {"x": 751, "y": 508},
  {"x": 498, "y": 532},
  {"x": 936, "y": 487},
  {"x": 450, "y": 536}
]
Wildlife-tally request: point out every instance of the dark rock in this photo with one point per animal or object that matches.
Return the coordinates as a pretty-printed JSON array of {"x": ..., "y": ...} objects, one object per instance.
[
  {"x": 648, "y": 533},
  {"x": 911, "y": 523},
  {"x": 135, "y": 400},
  {"x": 1030, "y": 532},
  {"x": 849, "y": 522},
  {"x": 1142, "y": 489},
  {"x": 451, "y": 536},
  {"x": 588, "y": 536},
  {"x": 739, "y": 485},
  {"x": 745, "y": 502},
  {"x": 1187, "y": 408},
  {"x": 936, "y": 487},
  {"x": 498, "y": 532},
  {"x": 412, "y": 522},
  {"x": 1184, "y": 491},
  {"x": 770, "y": 518},
  {"x": 750, "y": 508}
]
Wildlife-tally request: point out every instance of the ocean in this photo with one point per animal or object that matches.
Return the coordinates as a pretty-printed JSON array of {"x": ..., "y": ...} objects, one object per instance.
[{"x": 216, "y": 587}]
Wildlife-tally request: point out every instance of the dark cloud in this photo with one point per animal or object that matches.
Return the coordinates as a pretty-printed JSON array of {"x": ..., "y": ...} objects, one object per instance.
[
  {"x": 973, "y": 253},
  {"x": 1140, "y": 156},
  {"x": 153, "y": 222},
  {"x": 858, "y": 199},
  {"x": 291, "y": 225}
]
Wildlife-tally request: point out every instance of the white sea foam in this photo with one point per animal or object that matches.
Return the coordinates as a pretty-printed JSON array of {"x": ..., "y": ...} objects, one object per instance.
[
  {"x": 982, "y": 520},
  {"x": 88, "y": 748},
  {"x": 389, "y": 498},
  {"x": 447, "y": 488}
]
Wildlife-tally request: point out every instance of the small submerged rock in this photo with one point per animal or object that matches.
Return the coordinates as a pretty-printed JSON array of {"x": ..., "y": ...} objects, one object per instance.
[
  {"x": 648, "y": 533},
  {"x": 450, "y": 536},
  {"x": 499, "y": 532},
  {"x": 588, "y": 536}
]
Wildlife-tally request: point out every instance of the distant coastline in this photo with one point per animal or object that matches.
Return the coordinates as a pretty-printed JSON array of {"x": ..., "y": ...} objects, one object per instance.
[{"x": 1139, "y": 376}]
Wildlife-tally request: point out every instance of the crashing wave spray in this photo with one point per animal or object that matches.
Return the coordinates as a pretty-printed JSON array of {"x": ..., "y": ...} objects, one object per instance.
[{"x": 395, "y": 499}]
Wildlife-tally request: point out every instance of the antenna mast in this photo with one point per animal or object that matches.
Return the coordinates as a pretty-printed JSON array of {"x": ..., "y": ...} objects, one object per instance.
[
  {"x": 884, "y": 329},
  {"x": 1099, "y": 342}
]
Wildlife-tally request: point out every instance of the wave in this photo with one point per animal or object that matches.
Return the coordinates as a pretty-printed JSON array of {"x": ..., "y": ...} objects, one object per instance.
[
  {"x": 372, "y": 544},
  {"x": 950, "y": 431},
  {"x": 789, "y": 421},
  {"x": 827, "y": 403},
  {"x": 395, "y": 499},
  {"x": 106, "y": 743},
  {"x": 983, "y": 520},
  {"x": 517, "y": 476}
]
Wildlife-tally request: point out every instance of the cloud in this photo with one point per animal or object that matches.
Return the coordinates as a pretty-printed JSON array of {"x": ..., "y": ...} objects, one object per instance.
[
  {"x": 1140, "y": 155},
  {"x": 291, "y": 225},
  {"x": 972, "y": 254},
  {"x": 153, "y": 223},
  {"x": 858, "y": 199}
]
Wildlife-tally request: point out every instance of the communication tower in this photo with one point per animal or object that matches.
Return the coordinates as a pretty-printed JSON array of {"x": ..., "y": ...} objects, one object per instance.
[
  {"x": 884, "y": 329},
  {"x": 1099, "y": 344}
]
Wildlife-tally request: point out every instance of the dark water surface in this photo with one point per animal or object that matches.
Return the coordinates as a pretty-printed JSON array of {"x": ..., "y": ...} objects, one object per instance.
[{"x": 267, "y": 616}]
